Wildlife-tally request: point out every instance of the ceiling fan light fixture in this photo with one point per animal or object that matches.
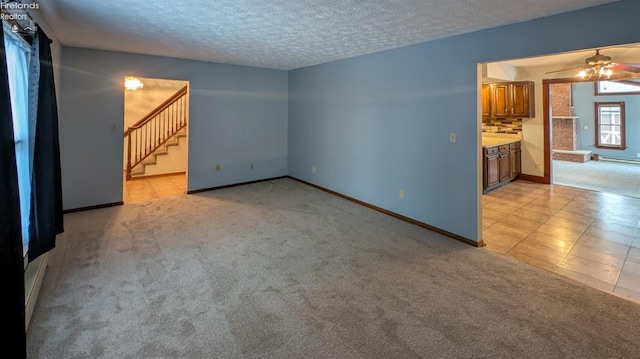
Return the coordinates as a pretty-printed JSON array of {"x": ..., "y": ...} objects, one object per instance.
[
  {"x": 602, "y": 67},
  {"x": 598, "y": 60},
  {"x": 587, "y": 74},
  {"x": 601, "y": 72},
  {"x": 605, "y": 72}
]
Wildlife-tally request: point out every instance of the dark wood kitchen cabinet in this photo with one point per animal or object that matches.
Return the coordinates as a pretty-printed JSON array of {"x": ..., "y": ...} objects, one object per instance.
[
  {"x": 486, "y": 100},
  {"x": 502, "y": 164},
  {"x": 500, "y": 100},
  {"x": 515, "y": 160},
  {"x": 505, "y": 164},
  {"x": 509, "y": 99},
  {"x": 522, "y": 95},
  {"x": 491, "y": 167}
]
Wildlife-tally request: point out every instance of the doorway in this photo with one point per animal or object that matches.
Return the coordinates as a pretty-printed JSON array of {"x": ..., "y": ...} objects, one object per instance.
[
  {"x": 587, "y": 153},
  {"x": 589, "y": 236},
  {"x": 155, "y": 139}
]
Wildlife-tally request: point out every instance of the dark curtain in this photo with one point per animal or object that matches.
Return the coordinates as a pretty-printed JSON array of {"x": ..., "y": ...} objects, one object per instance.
[
  {"x": 46, "y": 180},
  {"x": 13, "y": 342}
]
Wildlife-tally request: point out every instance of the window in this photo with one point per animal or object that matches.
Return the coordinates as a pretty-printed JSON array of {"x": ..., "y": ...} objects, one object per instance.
[
  {"x": 621, "y": 87},
  {"x": 17, "y": 55},
  {"x": 610, "y": 125}
]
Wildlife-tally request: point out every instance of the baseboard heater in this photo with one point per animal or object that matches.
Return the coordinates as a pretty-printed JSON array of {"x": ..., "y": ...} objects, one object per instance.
[
  {"x": 33, "y": 276},
  {"x": 622, "y": 160}
]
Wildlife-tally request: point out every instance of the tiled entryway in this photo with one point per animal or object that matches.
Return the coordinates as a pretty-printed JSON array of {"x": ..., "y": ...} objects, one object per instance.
[
  {"x": 591, "y": 237},
  {"x": 146, "y": 188}
]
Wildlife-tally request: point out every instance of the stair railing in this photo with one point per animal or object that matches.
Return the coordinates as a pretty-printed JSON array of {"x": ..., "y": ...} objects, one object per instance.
[{"x": 155, "y": 129}]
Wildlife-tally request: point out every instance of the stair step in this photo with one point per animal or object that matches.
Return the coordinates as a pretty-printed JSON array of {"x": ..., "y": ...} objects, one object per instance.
[
  {"x": 173, "y": 141},
  {"x": 139, "y": 170}
]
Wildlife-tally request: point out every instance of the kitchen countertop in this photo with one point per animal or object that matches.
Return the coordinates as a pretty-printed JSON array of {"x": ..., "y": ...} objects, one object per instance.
[{"x": 497, "y": 141}]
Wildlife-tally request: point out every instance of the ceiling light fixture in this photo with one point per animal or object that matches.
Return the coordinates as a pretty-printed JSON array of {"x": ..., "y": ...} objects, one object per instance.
[
  {"x": 132, "y": 83},
  {"x": 600, "y": 66},
  {"x": 601, "y": 72}
]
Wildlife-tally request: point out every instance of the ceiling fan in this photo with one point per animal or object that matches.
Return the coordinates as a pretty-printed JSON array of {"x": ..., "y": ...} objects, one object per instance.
[{"x": 601, "y": 67}]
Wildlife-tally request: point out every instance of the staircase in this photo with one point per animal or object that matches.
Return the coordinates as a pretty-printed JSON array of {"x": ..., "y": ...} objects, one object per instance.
[
  {"x": 155, "y": 133},
  {"x": 152, "y": 159}
]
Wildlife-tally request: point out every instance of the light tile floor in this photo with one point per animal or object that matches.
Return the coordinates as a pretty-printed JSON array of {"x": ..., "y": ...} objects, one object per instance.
[
  {"x": 146, "y": 188},
  {"x": 591, "y": 237}
]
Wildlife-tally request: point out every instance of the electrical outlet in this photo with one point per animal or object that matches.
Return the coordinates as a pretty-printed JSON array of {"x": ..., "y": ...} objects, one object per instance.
[
  {"x": 313, "y": 169},
  {"x": 452, "y": 137},
  {"x": 586, "y": 127},
  {"x": 401, "y": 194},
  {"x": 638, "y": 154},
  {"x": 217, "y": 168},
  {"x": 537, "y": 164},
  {"x": 252, "y": 166}
]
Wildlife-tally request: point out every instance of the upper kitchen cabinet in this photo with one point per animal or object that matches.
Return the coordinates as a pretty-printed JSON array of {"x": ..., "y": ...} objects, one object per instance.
[
  {"x": 500, "y": 100},
  {"x": 510, "y": 99},
  {"x": 486, "y": 100},
  {"x": 522, "y": 104}
]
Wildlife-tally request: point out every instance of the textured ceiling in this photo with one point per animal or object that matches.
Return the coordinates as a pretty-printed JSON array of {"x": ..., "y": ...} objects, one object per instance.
[{"x": 280, "y": 34}]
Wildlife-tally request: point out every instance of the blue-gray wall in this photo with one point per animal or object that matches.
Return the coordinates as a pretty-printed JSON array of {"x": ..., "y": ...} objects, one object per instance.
[
  {"x": 238, "y": 116},
  {"x": 583, "y": 103},
  {"x": 378, "y": 123},
  {"x": 371, "y": 125}
]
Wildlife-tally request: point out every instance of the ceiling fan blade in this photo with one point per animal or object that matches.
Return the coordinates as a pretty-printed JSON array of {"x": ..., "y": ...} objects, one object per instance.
[
  {"x": 628, "y": 68},
  {"x": 623, "y": 75}
]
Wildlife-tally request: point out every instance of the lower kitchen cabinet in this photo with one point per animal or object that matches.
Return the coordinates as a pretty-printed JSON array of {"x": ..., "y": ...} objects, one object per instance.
[
  {"x": 515, "y": 159},
  {"x": 502, "y": 165},
  {"x": 505, "y": 164},
  {"x": 491, "y": 167}
]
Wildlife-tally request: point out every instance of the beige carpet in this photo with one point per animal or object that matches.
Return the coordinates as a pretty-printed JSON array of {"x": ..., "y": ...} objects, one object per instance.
[
  {"x": 281, "y": 270},
  {"x": 603, "y": 176}
]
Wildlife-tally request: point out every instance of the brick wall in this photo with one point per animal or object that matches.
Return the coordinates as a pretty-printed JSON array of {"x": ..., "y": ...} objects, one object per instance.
[
  {"x": 561, "y": 100},
  {"x": 565, "y": 134},
  {"x": 573, "y": 157}
]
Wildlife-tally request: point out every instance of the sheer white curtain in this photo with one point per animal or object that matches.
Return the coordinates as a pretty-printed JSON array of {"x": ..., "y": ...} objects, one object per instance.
[{"x": 17, "y": 53}]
